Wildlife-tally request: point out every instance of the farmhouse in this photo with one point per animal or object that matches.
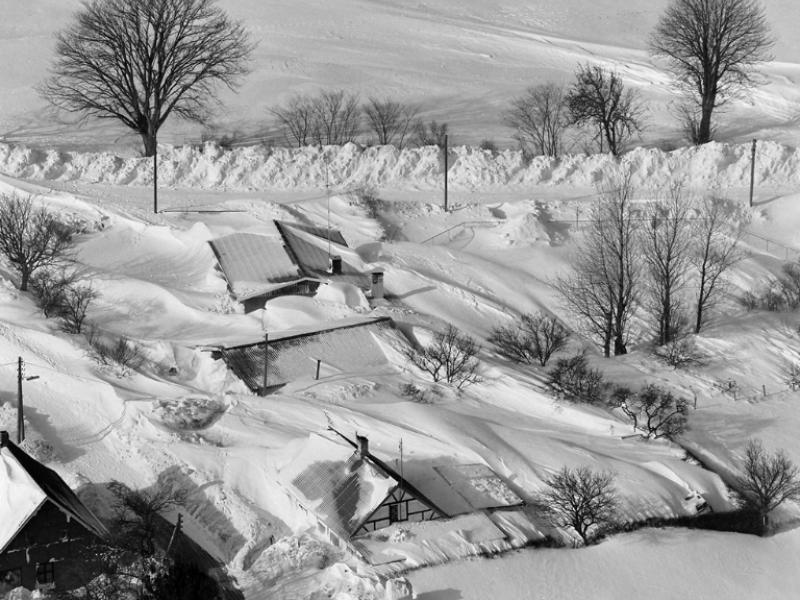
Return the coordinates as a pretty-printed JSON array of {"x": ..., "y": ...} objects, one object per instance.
[
  {"x": 45, "y": 529},
  {"x": 340, "y": 485},
  {"x": 284, "y": 259}
]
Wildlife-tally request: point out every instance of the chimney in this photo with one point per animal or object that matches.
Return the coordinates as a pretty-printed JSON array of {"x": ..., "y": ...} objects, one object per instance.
[
  {"x": 3, "y": 439},
  {"x": 363, "y": 445},
  {"x": 335, "y": 266},
  {"x": 377, "y": 285}
]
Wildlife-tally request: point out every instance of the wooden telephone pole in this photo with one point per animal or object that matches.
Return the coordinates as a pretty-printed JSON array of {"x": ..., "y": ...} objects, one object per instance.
[
  {"x": 266, "y": 363},
  {"x": 445, "y": 173},
  {"x": 752, "y": 170},
  {"x": 20, "y": 410}
]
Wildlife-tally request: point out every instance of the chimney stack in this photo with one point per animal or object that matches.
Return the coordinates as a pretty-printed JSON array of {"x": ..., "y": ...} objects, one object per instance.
[
  {"x": 3, "y": 439},
  {"x": 335, "y": 265},
  {"x": 377, "y": 285},
  {"x": 363, "y": 445}
]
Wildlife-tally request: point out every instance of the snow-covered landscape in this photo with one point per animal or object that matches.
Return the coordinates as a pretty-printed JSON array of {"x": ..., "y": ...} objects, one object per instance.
[{"x": 183, "y": 414}]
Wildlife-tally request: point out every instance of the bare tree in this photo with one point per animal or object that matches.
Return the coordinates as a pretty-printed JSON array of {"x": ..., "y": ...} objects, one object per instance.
[
  {"x": 139, "y": 513},
  {"x": 539, "y": 118},
  {"x": 74, "y": 305},
  {"x": 390, "y": 120},
  {"x": 429, "y": 134},
  {"x": 605, "y": 287},
  {"x": 140, "y": 62},
  {"x": 31, "y": 238},
  {"x": 712, "y": 47},
  {"x": 536, "y": 338},
  {"x": 599, "y": 99},
  {"x": 667, "y": 245},
  {"x": 655, "y": 411},
  {"x": 451, "y": 357},
  {"x": 296, "y": 119},
  {"x": 717, "y": 235},
  {"x": 582, "y": 499},
  {"x": 768, "y": 480},
  {"x": 336, "y": 117}
]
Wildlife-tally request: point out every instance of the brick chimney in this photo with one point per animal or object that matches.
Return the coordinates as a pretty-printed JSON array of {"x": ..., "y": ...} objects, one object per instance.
[
  {"x": 335, "y": 267},
  {"x": 377, "y": 285},
  {"x": 3, "y": 439},
  {"x": 363, "y": 445}
]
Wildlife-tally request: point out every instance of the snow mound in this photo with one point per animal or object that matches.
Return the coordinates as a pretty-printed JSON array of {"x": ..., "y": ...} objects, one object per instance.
[
  {"x": 713, "y": 165},
  {"x": 342, "y": 293}
]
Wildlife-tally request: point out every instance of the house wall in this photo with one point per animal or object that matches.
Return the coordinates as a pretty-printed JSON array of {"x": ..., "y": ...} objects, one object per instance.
[
  {"x": 409, "y": 508},
  {"x": 50, "y": 536}
]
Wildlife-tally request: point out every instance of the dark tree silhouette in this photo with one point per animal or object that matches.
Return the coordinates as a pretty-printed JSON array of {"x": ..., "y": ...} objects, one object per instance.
[
  {"x": 599, "y": 99},
  {"x": 140, "y": 62},
  {"x": 712, "y": 47},
  {"x": 539, "y": 118}
]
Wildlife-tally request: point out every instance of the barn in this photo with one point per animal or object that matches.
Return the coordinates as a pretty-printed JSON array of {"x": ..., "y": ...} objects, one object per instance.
[{"x": 45, "y": 530}]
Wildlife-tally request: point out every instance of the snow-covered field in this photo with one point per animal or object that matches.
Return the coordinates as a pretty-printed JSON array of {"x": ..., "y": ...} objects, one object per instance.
[{"x": 182, "y": 418}]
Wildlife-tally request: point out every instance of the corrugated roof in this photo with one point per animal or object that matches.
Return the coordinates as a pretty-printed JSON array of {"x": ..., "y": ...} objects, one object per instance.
[
  {"x": 20, "y": 476},
  {"x": 345, "y": 347},
  {"x": 310, "y": 252},
  {"x": 252, "y": 261},
  {"x": 321, "y": 232}
]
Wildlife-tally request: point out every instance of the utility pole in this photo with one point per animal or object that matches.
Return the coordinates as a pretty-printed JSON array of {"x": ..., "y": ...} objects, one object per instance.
[
  {"x": 20, "y": 417},
  {"x": 752, "y": 170},
  {"x": 266, "y": 363},
  {"x": 445, "y": 173},
  {"x": 20, "y": 406},
  {"x": 155, "y": 179}
]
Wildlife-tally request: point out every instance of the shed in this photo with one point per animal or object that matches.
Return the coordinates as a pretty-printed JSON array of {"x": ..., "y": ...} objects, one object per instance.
[{"x": 45, "y": 530}]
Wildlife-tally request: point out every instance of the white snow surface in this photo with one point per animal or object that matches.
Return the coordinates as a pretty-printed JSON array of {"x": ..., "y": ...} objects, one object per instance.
[
  {"x": 182, "y": 419},
  {"x": 20, "y": 497}
]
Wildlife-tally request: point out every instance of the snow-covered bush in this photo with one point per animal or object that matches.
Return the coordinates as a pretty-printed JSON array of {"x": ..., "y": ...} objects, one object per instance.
[
  {"x": 450, "y": 357},
  {"x": 535, "y": 338},
  {"x": 653, "y": 410}
]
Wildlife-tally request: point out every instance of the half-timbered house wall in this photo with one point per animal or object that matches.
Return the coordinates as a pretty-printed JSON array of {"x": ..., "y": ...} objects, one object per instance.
[{"x": 399, "y": 506}]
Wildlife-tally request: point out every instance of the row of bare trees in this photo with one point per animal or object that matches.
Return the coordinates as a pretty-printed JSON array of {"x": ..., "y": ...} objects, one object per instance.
[
  {"x": 339, "y": 117},
  {"x": 597, "y": 101},
  {"x": 662, "y": 256}
]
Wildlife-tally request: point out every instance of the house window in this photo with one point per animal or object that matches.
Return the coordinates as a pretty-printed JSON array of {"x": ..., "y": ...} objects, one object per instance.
[
  {"x": 45, "y": 575},
  {"x": 9, "y": 580},
  {"x": 394, "y": 513}
]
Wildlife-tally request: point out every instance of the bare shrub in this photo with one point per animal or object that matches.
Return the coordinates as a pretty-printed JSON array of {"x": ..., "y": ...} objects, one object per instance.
[
  {"x": 75, "y": 303},
  {"x": 653, "y": 410},
  {"x": 680, "y": 352},
  {"x": 792, "y": 376},
  {"x": 429, "y": 134},
  {"x": 581, "y": 499},
  {"x": 536, "y": 338},
  {"x": 749, "y": 300},
  {"x": 768, "y": 480},
  {"x": 539, "y": 118},
  {"x": 790, "y": 284},
  {"x": 389, "y": 120},
  {"x": 49, "y": 285},
  {"x": 489, "y": 146},
  {"x": 31, "y": 238},
  {"x": 451, "y": 357},
  {"x": 599, "y": 100},
  {"x": 573, "y": 378},
  {"x": 121, "y": 351}
]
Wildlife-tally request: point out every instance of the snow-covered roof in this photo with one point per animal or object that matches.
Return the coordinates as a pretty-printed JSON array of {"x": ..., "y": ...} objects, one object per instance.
[
  {"x": 251, "y": 260},
  {"x": 25, "y": 485},
  {"x": 332, "y": 480}
]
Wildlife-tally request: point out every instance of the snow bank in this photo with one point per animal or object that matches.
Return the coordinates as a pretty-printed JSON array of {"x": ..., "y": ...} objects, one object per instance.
[{"x": 713, "y": 165}]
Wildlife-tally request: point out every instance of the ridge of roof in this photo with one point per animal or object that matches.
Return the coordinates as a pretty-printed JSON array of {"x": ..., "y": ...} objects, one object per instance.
[{"x": 55, "y": 490}]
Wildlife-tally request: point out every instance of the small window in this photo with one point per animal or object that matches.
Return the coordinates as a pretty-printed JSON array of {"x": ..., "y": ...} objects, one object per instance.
[
  {"x": 394, "y": 513},
  {"x": 45, "y": 575}
]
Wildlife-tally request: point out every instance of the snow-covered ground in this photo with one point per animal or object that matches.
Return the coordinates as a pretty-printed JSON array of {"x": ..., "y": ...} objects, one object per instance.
[{"x": 183, "y": 419}]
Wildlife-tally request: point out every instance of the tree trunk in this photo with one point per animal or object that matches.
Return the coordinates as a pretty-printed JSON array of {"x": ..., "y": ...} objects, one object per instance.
[
  {"x": 25, "y": 276},
  {"x": 619, "y": 345},
  {"x": 607, "y": 338},
  {"x": 704, "y": 128},
  {"x": 149, "y": 140}
]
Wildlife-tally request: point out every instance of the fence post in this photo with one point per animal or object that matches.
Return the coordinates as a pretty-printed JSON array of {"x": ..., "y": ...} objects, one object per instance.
[{"x": 316, "y": 375}]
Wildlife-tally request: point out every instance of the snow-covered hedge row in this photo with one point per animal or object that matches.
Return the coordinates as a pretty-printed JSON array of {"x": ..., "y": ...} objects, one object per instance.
[{"x": 710, "y": 166}]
